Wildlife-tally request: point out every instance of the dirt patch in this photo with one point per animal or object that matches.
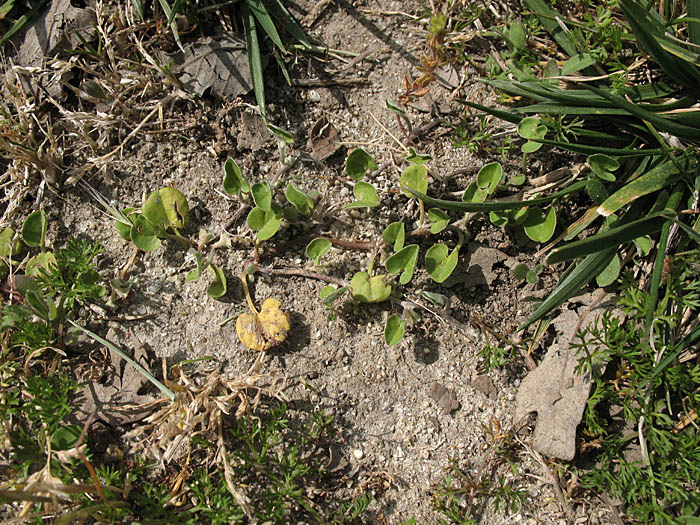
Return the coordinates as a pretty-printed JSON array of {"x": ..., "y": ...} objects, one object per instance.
[{"x": 408, "y": 410}]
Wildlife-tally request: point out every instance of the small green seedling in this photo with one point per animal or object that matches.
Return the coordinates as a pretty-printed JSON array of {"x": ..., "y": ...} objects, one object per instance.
[
  {"x": 164, "y": 210},
  {"x": 439, "y": 220},
  {"x": 266, "y": 217},
  {"x": 234, "y": 182},
  {"x": 366, "y": 196},
  {"x": 531, "y": 129},
  {"x": 539, "y": 225},
  {"x": 394, "y": 329},
  {"x": 403, "y": 261},
  {"x": 440, "y": 262},
  {"x": 366, "y": 289},
  {"x": 610, "y": 273},
  {"x": 317, "y": 248},
  {"x": 331, "y": 293},
  {"x": 417, "y": 158},
  {"x": 359, "y": 163},
  {"x": 522, "y": 273},
  {"x": 603, "y": 166},
  {"x": 303, "y": 203},
  {"x": 34, "y": 230},
  {"x": 395, "y": 234},
  {"x": 415, "y": 177}
]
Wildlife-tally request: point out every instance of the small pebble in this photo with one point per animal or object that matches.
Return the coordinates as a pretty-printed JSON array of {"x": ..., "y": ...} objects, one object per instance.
[
  {"x": 314, "y": 96},
  {"x": 358, "y": 453}
]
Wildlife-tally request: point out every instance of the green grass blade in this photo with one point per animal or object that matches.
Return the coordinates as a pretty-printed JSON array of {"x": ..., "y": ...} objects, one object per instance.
[
  {"x": 548, "y": 18},
  {"x": 694, "y": 27},
  {"x": 254, "y": 59},
  {"x": 660, "y": 176},
  {"x": 558, "y": 109},
  {"x": 174, "y": 11},
  {"x": 22, "y": 21},
  {"x": 585, "y": 149},
  {"x": 580, "y": 276},
  {"x": 164, "y": 389},
  {"x": 263, "y": 17},
  {"x": 503, "y": 115},
  {"x": 501, "y": 205},
  {"x": 648, "y": 28},
  {"x": 138, "y": 6},
  {"x": 173, "y": 25},
  {"x": 288, "y": 22},
  {"x": 612, "y": 237},
  {"x": 673, "y": 202},
  {"x": 684, "y": 343},
  {"x": 665, "y": 124}
]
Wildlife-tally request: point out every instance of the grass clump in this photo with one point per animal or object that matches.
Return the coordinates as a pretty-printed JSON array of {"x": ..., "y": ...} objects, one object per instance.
[{"x": 640, "y": 424}]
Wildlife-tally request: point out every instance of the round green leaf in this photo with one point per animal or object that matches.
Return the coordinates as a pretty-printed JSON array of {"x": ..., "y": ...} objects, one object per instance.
[
  {"x": 34, "y": 229},
  {"x": 539, "y": 226},
  {"x": 262, "y": 195},
  {"x": 520, "y": 271},
  {"x": 610, "y": 273},
  {"x": 530, "y": 147},
  {"x": 394, "y": 329},
  {"x": 395, "y": 234},
  {"x": 414, "y": 176},
  {"x": 366, "y": 196},
  {"x": 405, "y": 259},
  {"x": 41, "y": 260},
  {"x": 474, "y": 194},
  {"x": 603, "y": 166},
  {"x": 530, "y": 128},
  {"x": 217, "y": 288},
  {"x": 499, "y": 218},
  {"x": 439, "y": 262},
  {"x": 266, "y": 223},
  {"x": 368, "y": 289},
  {"x": 489, "y": 176},
  {"x": 439, "y": 220},
  {"x": 596, "y": 190},
  {"x": 167, "y": 208},
  {"x": 330, "y": 294},
  {"x": 317, "y": 248},
  {"x": 299, "y": 199},
  {"x": 234, "y": 183},
  {"x": 143, "y": 234},
  {"x": 417, "y": 158},
  {"x": 359, "y": 163},
  {"x": 65, "y": 438}
]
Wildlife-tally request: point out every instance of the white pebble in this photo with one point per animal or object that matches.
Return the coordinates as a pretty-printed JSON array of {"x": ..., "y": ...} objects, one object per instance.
[{"x": 358, "y": 453}]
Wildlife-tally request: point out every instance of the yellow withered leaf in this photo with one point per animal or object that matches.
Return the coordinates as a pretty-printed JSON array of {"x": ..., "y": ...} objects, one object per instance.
[{"x": 264, "y": 330}]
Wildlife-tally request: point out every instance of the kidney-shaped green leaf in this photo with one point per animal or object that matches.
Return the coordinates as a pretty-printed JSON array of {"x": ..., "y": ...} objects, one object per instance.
[
  {"x": 234, "y": 183},
  {"x": 317, "y": 248},
  {"x": 394, "y": 329},
  {"x": 366, "y": 196},
  {"x": 167, "y": 208},
  {"x": 368, "y": 289},
  {"x": 299, "y": 199},
  {"x": 143, "y": 234},
  {"x": 266, "y": 223},
  {"x": 405, "y": 259},
  {"x": 414, "y": 176},
  {"x": 359, "y": 163},
  {"x": 440, "y": 262},
  {"x": 539, "y": 226}
]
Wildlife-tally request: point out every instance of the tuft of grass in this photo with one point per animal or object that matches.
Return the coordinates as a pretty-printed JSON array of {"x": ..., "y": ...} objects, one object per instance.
[{"x": 640, "y": 424}]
